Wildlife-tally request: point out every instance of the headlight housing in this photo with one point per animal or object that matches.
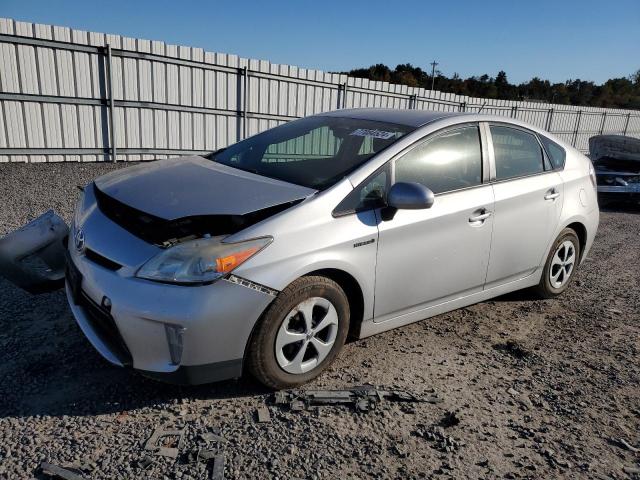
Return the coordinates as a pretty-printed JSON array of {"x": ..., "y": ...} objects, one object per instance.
[{"x": 200, "y": 261}]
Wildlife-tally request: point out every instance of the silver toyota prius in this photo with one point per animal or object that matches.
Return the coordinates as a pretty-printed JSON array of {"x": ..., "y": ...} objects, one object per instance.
[{"x": 267, "y": 255}]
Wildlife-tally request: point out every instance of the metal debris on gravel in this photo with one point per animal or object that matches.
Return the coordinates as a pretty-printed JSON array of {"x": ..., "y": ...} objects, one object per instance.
[
  {"x": 145, "y": 462},
  {"x": 59, "y": 472},
  {"x": 217, "y": 472},
  {"x": 622, "y": 443},
  {"x": 263, "y": 415},
  {"x": 362, "y": 399},
  {"x": 156, "y": 442},
  {"x": 212, "y": 454}
]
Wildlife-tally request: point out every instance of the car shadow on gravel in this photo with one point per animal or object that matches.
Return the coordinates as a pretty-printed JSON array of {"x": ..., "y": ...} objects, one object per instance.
[
  {"x": 48, "y": 368},
  {"x": 526, "y": 295}
]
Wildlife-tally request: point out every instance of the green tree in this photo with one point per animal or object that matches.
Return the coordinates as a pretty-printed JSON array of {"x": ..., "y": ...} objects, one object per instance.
[{"x": 616, "y": 92}]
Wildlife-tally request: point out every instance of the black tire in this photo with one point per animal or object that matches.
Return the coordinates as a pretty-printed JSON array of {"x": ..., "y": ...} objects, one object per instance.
[
  {"x": 545, "y": 289},
  {"x": 261, "y": 355}
]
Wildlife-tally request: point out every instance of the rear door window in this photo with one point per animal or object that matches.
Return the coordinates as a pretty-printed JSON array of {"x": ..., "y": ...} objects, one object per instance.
[{"x": 517, "y": 153}]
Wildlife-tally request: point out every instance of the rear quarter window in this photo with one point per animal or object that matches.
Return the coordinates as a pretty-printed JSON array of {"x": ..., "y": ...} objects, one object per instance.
[{"x": 555, "y": 152}]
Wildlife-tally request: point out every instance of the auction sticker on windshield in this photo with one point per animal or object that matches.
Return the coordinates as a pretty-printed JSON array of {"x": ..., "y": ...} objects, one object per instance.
[{"x": 366, "y": 132}]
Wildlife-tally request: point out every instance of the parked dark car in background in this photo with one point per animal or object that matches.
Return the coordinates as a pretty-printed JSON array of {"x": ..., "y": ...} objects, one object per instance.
[{"x": 616, "y": 159}]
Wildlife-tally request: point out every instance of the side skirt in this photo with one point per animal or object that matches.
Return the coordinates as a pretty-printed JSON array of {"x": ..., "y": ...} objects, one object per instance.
[{"x": 370, "y": 327}]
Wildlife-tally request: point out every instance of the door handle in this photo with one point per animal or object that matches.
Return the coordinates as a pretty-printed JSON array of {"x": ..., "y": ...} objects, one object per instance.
[
  {"x": 552, "y": 194},
  {"x": 480, "y": 218}
]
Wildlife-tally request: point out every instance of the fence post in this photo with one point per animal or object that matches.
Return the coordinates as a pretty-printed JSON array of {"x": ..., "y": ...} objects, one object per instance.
[
  {"x": 339, "y": 100},
  {"x": 413, "y": 101},
  {"x": 345, "y": 86},
  {"x": 626, "y": 124},
  {"x": 577, "y": 128},
  {"x": 111, "y": 104},
  {"x": 549, "y": 119},
  {"x": 604, "y": 119},
  {"x": 245, "y": 97}
]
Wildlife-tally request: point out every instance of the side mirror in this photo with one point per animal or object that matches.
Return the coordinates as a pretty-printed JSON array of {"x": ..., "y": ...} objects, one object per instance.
[{"x": 409, "y": 196}]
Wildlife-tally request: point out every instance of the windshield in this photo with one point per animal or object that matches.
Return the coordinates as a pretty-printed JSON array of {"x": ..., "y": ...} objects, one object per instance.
[{"x": 314, "y": 152}]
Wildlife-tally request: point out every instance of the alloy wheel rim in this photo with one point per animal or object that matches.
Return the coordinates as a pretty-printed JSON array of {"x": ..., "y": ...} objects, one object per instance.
[
  {"x": 562, "y": 264},
  {"x": 307, "y": 335}
]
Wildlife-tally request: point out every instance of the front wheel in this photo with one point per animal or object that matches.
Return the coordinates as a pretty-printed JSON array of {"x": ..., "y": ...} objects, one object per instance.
[
  {"x": 560, "y": 265},
  {"x": 300, "y": 334}
]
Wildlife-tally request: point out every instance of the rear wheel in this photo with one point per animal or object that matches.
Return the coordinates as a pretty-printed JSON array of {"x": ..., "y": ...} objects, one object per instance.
[
  {"x": 300, "y": 334},
  {"x": 560, "y": 265}
]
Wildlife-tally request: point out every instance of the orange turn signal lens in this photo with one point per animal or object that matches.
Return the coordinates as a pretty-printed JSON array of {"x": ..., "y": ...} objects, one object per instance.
[{"x": 228, "y": 263}]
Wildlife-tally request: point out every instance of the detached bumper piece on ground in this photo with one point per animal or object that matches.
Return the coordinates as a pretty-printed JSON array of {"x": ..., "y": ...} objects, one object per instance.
[{"x": 32, "y": 257}]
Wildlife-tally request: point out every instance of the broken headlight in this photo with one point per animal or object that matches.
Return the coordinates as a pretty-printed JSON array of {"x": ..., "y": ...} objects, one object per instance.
[{"x": 200, "y": 261}]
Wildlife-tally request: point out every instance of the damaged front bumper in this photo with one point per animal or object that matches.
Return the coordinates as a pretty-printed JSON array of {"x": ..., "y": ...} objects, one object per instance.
[
  {"x": 175, "y": 333},
  {"x": 135, "y": 322}
]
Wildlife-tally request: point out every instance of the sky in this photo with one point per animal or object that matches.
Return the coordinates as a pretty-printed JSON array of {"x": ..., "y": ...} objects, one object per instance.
[{"x": 555, "y": 40}]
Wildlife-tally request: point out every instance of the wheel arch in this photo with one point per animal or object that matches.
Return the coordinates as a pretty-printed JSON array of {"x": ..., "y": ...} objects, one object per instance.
[
  {"x": 581, "y": 232},
  {"x": 354, "y": 294},
  {"x": 352, "y": 289}
]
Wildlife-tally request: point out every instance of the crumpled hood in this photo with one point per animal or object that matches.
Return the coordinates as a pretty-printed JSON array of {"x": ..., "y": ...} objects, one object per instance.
[{"x": 188, "y": 186}]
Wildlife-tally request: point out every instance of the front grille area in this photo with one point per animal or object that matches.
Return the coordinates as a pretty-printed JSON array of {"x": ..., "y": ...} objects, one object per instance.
[
  {"x": 98, "y": 259},
  {"x": 105, "y": 328},
  {"x": 142, "y": 225}
]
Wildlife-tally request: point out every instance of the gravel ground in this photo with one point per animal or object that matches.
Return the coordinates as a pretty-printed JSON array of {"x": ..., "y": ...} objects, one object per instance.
[{"x": 540, "y": 389}]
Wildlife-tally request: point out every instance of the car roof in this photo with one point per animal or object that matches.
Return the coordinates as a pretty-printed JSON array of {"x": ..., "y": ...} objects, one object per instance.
[
  {"x": 410, "y": 118},
  {"x": 420, "y": 118}
]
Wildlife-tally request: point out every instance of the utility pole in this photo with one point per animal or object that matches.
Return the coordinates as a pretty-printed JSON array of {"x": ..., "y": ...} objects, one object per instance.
[{"x": 433, "y": 64}]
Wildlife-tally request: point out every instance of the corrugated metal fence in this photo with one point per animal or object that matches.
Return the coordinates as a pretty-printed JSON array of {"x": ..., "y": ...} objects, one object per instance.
[{"x": 83, "y": 96}]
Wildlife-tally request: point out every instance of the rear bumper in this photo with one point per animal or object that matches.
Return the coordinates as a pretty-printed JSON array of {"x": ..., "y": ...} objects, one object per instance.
[{"x": 630, "y": 189}]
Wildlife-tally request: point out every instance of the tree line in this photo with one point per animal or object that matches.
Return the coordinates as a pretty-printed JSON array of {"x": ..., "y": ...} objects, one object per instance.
[{"x": 614, "y": 93}]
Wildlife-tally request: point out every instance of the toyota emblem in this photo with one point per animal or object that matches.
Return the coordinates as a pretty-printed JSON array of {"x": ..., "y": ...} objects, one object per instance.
[{"x": 79, "y": 240}]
